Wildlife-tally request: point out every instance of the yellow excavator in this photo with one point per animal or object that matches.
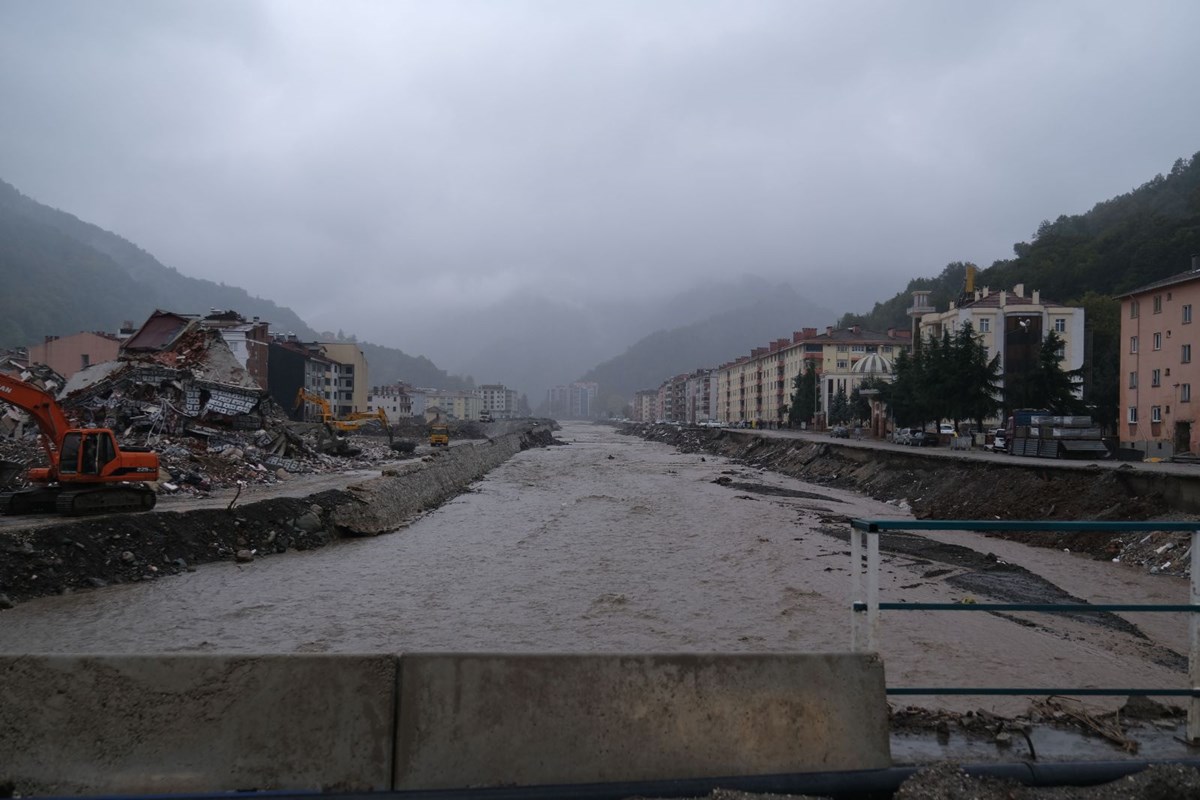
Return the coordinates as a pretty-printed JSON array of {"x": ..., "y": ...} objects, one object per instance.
[{"x": 350, "y": 422}]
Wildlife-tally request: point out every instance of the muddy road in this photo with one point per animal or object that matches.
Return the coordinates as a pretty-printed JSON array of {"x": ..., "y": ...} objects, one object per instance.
[{"x": 616, "y": 544}]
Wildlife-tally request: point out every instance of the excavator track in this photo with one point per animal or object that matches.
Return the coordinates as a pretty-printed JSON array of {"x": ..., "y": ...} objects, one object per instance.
[{"x": 105, "y": 500}]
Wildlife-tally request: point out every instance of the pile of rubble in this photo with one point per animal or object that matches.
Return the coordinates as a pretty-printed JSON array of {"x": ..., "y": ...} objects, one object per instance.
[{"x": 193, "y": 403}]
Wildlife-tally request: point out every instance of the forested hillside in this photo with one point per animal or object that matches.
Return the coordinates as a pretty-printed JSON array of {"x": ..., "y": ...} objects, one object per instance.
[
  {"x": 1122, "y": 243},
  {"x": 62, "y": 275},
  {"x": 1089, "y": 260}
]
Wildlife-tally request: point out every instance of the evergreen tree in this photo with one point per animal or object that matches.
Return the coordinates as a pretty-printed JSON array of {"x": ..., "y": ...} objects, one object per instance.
[
  {"x": 839, "y": 408},
  {"x": 804, "y": 399}
]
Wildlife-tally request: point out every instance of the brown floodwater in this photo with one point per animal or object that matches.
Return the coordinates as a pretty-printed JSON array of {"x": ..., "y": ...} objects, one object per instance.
[{"x": 615, "y": 544}]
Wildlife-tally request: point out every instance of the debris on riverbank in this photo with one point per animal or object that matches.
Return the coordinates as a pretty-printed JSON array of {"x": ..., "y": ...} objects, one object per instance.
[
  {"x": 963, "y": 489},
  {"x": 81, "y": 553}
]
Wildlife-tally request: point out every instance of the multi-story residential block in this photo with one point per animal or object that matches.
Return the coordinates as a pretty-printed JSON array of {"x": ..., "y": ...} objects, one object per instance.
[
  {"x": 576, "y": 401},
  {"x": 645, "y": 405},
  {"x": 66, "y": 355},
  {"x": 395, "y": 400},
  {"x": 1013, "y": 325},
  {"x": 757, "y": 389},
  {"x": 294, "y": 365},
  {"x": 700, "y": 396},
  {"x": 456, "y": 403},
  {"x": 348, "y": 377},
  {"x": 498, "y": 401},
  {"x": 1158, "y": 373}
]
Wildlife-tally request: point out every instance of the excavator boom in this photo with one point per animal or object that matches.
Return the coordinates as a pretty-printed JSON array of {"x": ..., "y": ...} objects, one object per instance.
[{"x": 88, "y": 473}]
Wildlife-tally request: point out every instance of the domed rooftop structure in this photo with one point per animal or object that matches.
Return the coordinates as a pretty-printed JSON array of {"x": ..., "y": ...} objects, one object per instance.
[{"x": 873, "y": 365}]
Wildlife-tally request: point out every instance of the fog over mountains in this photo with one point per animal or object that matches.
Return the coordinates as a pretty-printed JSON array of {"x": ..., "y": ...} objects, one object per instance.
[{"x": 64, "y": 275}]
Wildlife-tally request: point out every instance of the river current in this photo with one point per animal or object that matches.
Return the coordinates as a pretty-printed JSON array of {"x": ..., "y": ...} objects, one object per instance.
[{"x": 608, "y": 544}]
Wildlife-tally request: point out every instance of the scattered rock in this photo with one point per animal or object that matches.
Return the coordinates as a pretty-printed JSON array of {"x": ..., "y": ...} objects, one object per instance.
[{"x": 243, "y": 556}]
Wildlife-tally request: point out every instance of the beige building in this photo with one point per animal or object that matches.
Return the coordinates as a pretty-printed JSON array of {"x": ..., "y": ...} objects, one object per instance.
[
  {"x": 347, "y": 382},
  {"x": 1011, "y": 324},
  {"x": 1158, "y": 372},
  {"x": 757, "y": 389},
  {"x": 66, "y": 355},
  {"x": 394, "y": 400},
  {"x": 454, "y": 403}
]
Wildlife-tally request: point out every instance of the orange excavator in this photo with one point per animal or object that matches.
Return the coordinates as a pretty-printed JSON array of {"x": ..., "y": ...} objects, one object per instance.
[{"x": 89, "y": 472}]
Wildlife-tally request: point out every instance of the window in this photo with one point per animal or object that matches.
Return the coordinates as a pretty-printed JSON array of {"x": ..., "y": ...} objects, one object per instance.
[
  {"x": 1133, "y": 344},
  {"x": 841, "y": 348},
  {"x": 1133, "y": 414},
  {"x": 985, "y": 325},
  {"x": 858, "y": 348},
  {"x": 1185, "y": 393},
  {"x": 1060, "y": 324},
  {"x": 1133, "y": 380},
  {"x": 1156, "y": 377},
  {"x": 1187, "y": 313},
  {"x": 1158, "y": 304},
  {"x": 1156, "y": 413},
  {"x": 1185, "y": 354},
  {"x": 1158, "y": 341},
  {"x": 1061, "y": 352},
  {"x": 1133, "y": 309},
  {"x": 84, "y": 360},
  {"x": 843, "y": 364}
]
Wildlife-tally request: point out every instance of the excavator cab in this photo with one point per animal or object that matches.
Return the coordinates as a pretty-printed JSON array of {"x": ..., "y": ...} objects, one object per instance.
[{"x": 87, "y": 452}]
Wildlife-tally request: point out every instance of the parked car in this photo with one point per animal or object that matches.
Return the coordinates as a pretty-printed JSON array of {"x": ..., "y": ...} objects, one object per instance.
[
  {"x": 924, "y": 439},
  {"x": 902, "y": 436},
  {"x": 999, "y": 441},
  {"x": 839, "y": 432},
  {"x": 946, "y": 429}
]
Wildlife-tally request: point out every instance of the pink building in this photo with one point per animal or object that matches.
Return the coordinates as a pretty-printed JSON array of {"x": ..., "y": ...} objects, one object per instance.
[
  {"x": 1158, "y": 372},
  {"x": 66, "y": 355}
]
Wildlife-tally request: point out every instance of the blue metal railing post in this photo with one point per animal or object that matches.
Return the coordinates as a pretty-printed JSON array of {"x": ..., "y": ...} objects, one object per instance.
[{"x": 866, "y": 606}]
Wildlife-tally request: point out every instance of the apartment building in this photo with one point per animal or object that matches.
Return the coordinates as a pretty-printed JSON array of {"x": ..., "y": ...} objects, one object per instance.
[
  {"x": 456, "y": 403},
  {"x": 66, "y": 355},
  {"x": 348, "y": 379},
  {"x": 645, "y": 405},
  {"x": 574, "y": 401},
  {"x": 1158, "y": 336},
  {"x": 700, "y": 396},
  {"x": 1013, "y": 325},
  {"x": 395, "y": 400},
  {"x": 498, "y": 400},
  {"x": 757, "y": 389}
]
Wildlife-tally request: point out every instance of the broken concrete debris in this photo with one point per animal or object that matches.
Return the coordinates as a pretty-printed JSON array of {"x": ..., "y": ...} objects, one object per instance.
[{"x": 189, "y": 399}]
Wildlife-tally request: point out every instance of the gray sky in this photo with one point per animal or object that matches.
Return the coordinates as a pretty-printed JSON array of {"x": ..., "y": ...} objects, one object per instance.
[{"x": 356, "y": 159}]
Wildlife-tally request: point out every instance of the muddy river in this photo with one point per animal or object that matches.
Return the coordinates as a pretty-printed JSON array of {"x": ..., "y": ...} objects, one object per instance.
[{"x": 614, "y": 544}]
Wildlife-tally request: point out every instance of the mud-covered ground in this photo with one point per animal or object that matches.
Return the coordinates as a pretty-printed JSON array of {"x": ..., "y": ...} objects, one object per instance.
[{"x": 964, "y": 490}]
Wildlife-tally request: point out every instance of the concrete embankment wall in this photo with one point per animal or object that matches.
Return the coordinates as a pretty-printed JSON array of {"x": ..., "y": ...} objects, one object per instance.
[
  {"x": 92, "y": 552},
  {"x": 209, "y": 723},
  {"x": 382, "y": 504},
  {"x": 942, "y": 484}
]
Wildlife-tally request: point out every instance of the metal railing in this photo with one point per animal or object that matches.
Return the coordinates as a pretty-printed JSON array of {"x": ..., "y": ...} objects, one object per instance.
[{"x": 866, "y": 606}]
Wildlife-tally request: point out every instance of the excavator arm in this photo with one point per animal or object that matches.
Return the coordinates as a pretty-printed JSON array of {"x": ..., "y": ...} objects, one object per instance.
[{"x": 41, "y": 406}]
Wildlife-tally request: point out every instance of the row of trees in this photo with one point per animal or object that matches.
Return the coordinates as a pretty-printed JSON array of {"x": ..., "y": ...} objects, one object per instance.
[{"x": 949, "y": 378}]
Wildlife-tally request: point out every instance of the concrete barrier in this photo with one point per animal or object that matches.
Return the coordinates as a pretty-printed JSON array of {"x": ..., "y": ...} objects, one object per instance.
[
  {"x": 215, "y": 723},
  {"x": 470, "y": 720},
  {"x": 190, "y": 723}
]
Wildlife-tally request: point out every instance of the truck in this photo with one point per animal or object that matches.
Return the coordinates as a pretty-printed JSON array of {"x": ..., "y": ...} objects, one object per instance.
[
  {"x": 88, "y": 472},
  {"x": 439, "y": 435}
]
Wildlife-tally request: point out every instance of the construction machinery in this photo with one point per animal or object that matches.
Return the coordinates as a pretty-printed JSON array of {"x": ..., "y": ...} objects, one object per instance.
[
  {"x": 89, "y": 472},
  {"x": 350, "y": 422},
  {"x": 439, "y": 435}
]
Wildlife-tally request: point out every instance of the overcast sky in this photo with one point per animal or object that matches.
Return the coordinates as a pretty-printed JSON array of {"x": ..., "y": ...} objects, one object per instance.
[{"x": 366, "y": 163}]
